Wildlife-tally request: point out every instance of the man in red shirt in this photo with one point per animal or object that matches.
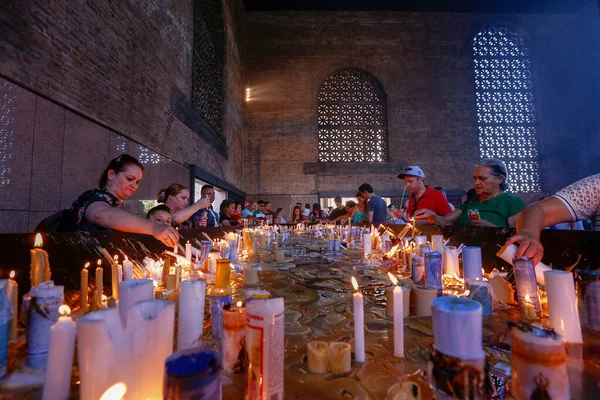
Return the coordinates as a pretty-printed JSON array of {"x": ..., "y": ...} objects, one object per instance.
[{"x": 421, "y": 195}]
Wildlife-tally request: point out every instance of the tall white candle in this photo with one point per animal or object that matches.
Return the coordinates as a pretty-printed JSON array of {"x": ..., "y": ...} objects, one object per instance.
[
  {"x": 83, "y": 288},
  {"x": 437, "y": 243},
  {"x": 133, "y": 291},
  {"x": 508, "y": 252},
  {"x": 398, "y": 318},
  {"x": 457, "y": 327},
  {"x": 191, "y": 313},
  {"x": 57, "y": 384},
  {"x": 127, "y": 269},
  {"x": 13, "y": 296},
  {"x": 359, "y": 323},
  {"x": 562, "y": 305},
  {"x": 188, "y": 252},
  {"x": 367, "y": 244}
]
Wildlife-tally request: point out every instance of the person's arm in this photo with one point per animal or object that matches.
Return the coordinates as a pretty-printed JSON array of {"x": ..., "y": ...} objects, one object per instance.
[
  {"x": 181, "y": 216},
  {"x": 100, "y": 213},
  {"x": 532, "y": 220},
  {"x": 433, "y": 218}
]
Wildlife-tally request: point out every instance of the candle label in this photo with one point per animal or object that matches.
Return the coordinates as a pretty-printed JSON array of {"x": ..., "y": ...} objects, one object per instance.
[
  {"x": 433, "y": 269},
  {"x": 417, "y": 269},
  {"x": 526, "y": 283},
  {"x": 216, "y": 312}
]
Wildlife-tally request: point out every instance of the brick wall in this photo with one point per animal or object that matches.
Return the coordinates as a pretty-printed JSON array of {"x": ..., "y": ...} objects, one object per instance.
[
  {"x": 424, "y": 62},
  {"x": 121, "y": 63}
]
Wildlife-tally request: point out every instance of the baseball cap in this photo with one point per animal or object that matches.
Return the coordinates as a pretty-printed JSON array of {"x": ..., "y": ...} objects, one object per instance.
[{"x": 413, "y": 170}]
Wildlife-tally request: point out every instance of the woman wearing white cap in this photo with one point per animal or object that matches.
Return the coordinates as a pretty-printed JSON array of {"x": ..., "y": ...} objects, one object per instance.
[{"x": 492, "y": 205}]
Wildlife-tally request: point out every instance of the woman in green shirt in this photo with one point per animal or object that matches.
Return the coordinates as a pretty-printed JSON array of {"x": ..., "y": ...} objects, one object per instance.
[{"x": 492, "y": 205}]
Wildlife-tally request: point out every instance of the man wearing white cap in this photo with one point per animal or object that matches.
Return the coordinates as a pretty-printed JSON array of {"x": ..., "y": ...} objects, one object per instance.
[{"x": 421, "y": 195}]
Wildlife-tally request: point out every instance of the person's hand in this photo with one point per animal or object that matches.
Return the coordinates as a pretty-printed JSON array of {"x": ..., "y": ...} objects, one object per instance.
[
  {"x": 166, "y": 234},
  {"x": 204, "y": 203},
  {"x": 424, "y": 213},
  {"x": 482, "y": 222},
  {"x": 529, "y": 246}
]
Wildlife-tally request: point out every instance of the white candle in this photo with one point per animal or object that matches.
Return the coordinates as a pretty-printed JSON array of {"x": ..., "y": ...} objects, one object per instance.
[
  {"x": 188, "y": 252},
  {"x": 57, "y": 384},
  {"x": 212, "y": 263},
  {"x": 472, "y": 263},
  {"x": 127, "y": 269},
  {"x": 423, "y": 296},
  {"x": 250, "y": 275},
  {"x": 133, "y": 291},
  {"x": 418, "y": 241},
  {"x": 99, "y": 283},
  {"x": 508, "y": 252},
  {"x": 359, "y": 323},
  {"x": 398, "y": 318},
  {"x": 83, "y": 288},
  {"x": 13, "y": 296},
  {"x": 340, "y": 357},
  {"x": 562, "y": 305},
  {"x": 437, "y": 243},
  {"x": 191, "y": 313},
  {"x": 457, "y": 327},
  {"x": 450, "y": 261},
  {"x": 317, "y": 356},
  {"x": 367, "y": 245}
]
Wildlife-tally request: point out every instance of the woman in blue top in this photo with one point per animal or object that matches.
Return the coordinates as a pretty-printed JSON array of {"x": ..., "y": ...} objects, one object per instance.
[{"x": 360, "y": 212}]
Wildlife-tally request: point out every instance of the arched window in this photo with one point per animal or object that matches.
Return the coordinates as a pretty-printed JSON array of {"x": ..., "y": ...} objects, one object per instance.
[
  {"x": 352, "y": 118},
  {"x": 505, "y": 106}
]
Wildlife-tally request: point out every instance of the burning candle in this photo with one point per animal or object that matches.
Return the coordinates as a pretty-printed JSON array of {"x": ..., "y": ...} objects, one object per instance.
[
  {"x": 562, "y": 305},
  {"x": 83, "y": 288},
  {"x": 234, "y": 332},
  {"x": 127, "y": 269},
  {"x": 437, "y": 243},
  {"x": 57, "y": 384},
  {"x": 4, "y": 328},
  {"x": 450, "y": 261},
  {"x": 529, "y": 309},
  {"x": 508, "y": 252},
  {"x": 359, "y": 322},
  {"x": 526, "y": 284},
  {"x": 132, "y": 292},
  {"x": 398, "y": 317},
  {"x": 13, "y": 296},
  {"x": 40, "y": 266},
  {"x": 99, "y": 282},
  {"x": 114, "y": 275}
]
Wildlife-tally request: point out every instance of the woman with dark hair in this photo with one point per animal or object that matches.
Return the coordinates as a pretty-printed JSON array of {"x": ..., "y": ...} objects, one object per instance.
[
  {"x": 491, "y": 205},
  {"x": 297, "y": 216},
  {"x": 177, "y": 198},
  {"x": 316, "y": 215},
  {"x": 360, "y": 211},
  {"x": 227, "y": 213},
  {"x": 97, "y": 209}
]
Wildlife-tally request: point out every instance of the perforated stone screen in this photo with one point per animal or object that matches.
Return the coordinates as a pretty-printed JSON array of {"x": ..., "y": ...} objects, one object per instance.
[
  {"x": 208, "y": 62},
  {"x": 505, "y": 106},
  {"x": 352, "y": 118}
]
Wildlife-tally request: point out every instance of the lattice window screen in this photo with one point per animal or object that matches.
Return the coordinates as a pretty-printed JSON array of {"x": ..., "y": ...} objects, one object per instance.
[
  {"x": 208, "y": 62},
  {"x": 352, "y": 118},
  {"x": 505, "y": 106}
]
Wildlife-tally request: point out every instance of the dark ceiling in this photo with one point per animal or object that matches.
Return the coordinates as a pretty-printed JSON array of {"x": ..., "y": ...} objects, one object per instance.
[{"x": 469, "y": 6}]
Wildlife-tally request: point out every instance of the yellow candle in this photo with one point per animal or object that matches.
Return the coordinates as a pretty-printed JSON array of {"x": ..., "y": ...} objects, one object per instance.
[
  {"x": 40, "y": 266},
  {"x": 83, "y": 287},
  {"x": 99, "y": 282},
  {"x": 13, "y": 296}
]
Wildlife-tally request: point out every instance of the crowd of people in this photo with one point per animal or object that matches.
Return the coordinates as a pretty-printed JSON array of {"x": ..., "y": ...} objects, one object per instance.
[{"x": 487, "y": 204}]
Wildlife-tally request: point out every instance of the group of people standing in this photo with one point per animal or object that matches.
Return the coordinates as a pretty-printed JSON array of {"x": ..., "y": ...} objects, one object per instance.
[{"x": 489, "y": 205}]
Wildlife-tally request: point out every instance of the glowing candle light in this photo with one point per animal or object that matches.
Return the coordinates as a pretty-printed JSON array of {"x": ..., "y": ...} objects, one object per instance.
[
  {"x": 60, "y": 357},
  {"x": 99, "y": 282},
  {"x": 359, "y": 323},
  {"x": 115, "y": 392},
  {"x": 40, "y": 266},
  {"x": 83, "y": 287}
]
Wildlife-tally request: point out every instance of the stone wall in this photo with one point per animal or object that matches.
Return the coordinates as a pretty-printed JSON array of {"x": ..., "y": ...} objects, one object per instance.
[
  {"x": 78, "y": 75},
  {"x": 424, "y": 63}
]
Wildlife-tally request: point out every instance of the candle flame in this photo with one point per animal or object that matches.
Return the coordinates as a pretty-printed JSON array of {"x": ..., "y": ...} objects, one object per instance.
[
  {"x": 116, "y": 257},
  {"x": 104, "y": 298},
  {"x": 354, "y": 284},
  {"x": 38, "y": 240},
  {"x": 64, "y": 310},
  {"x": 115, "y": 392},
  {"x": 393, "y": 278},
  {"x": 239, "y": 304},
  {"x": 392, "y": 251},
  {"x": 99, "y": 262},
  {"x": 467, "y": 293},
  {"x": 527, "y": 299},
  {"x": 12, "y": 274}
]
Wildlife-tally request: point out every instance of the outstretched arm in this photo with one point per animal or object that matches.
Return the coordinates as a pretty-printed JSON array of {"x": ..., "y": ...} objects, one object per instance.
[{"x": 183, "y": 215}]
